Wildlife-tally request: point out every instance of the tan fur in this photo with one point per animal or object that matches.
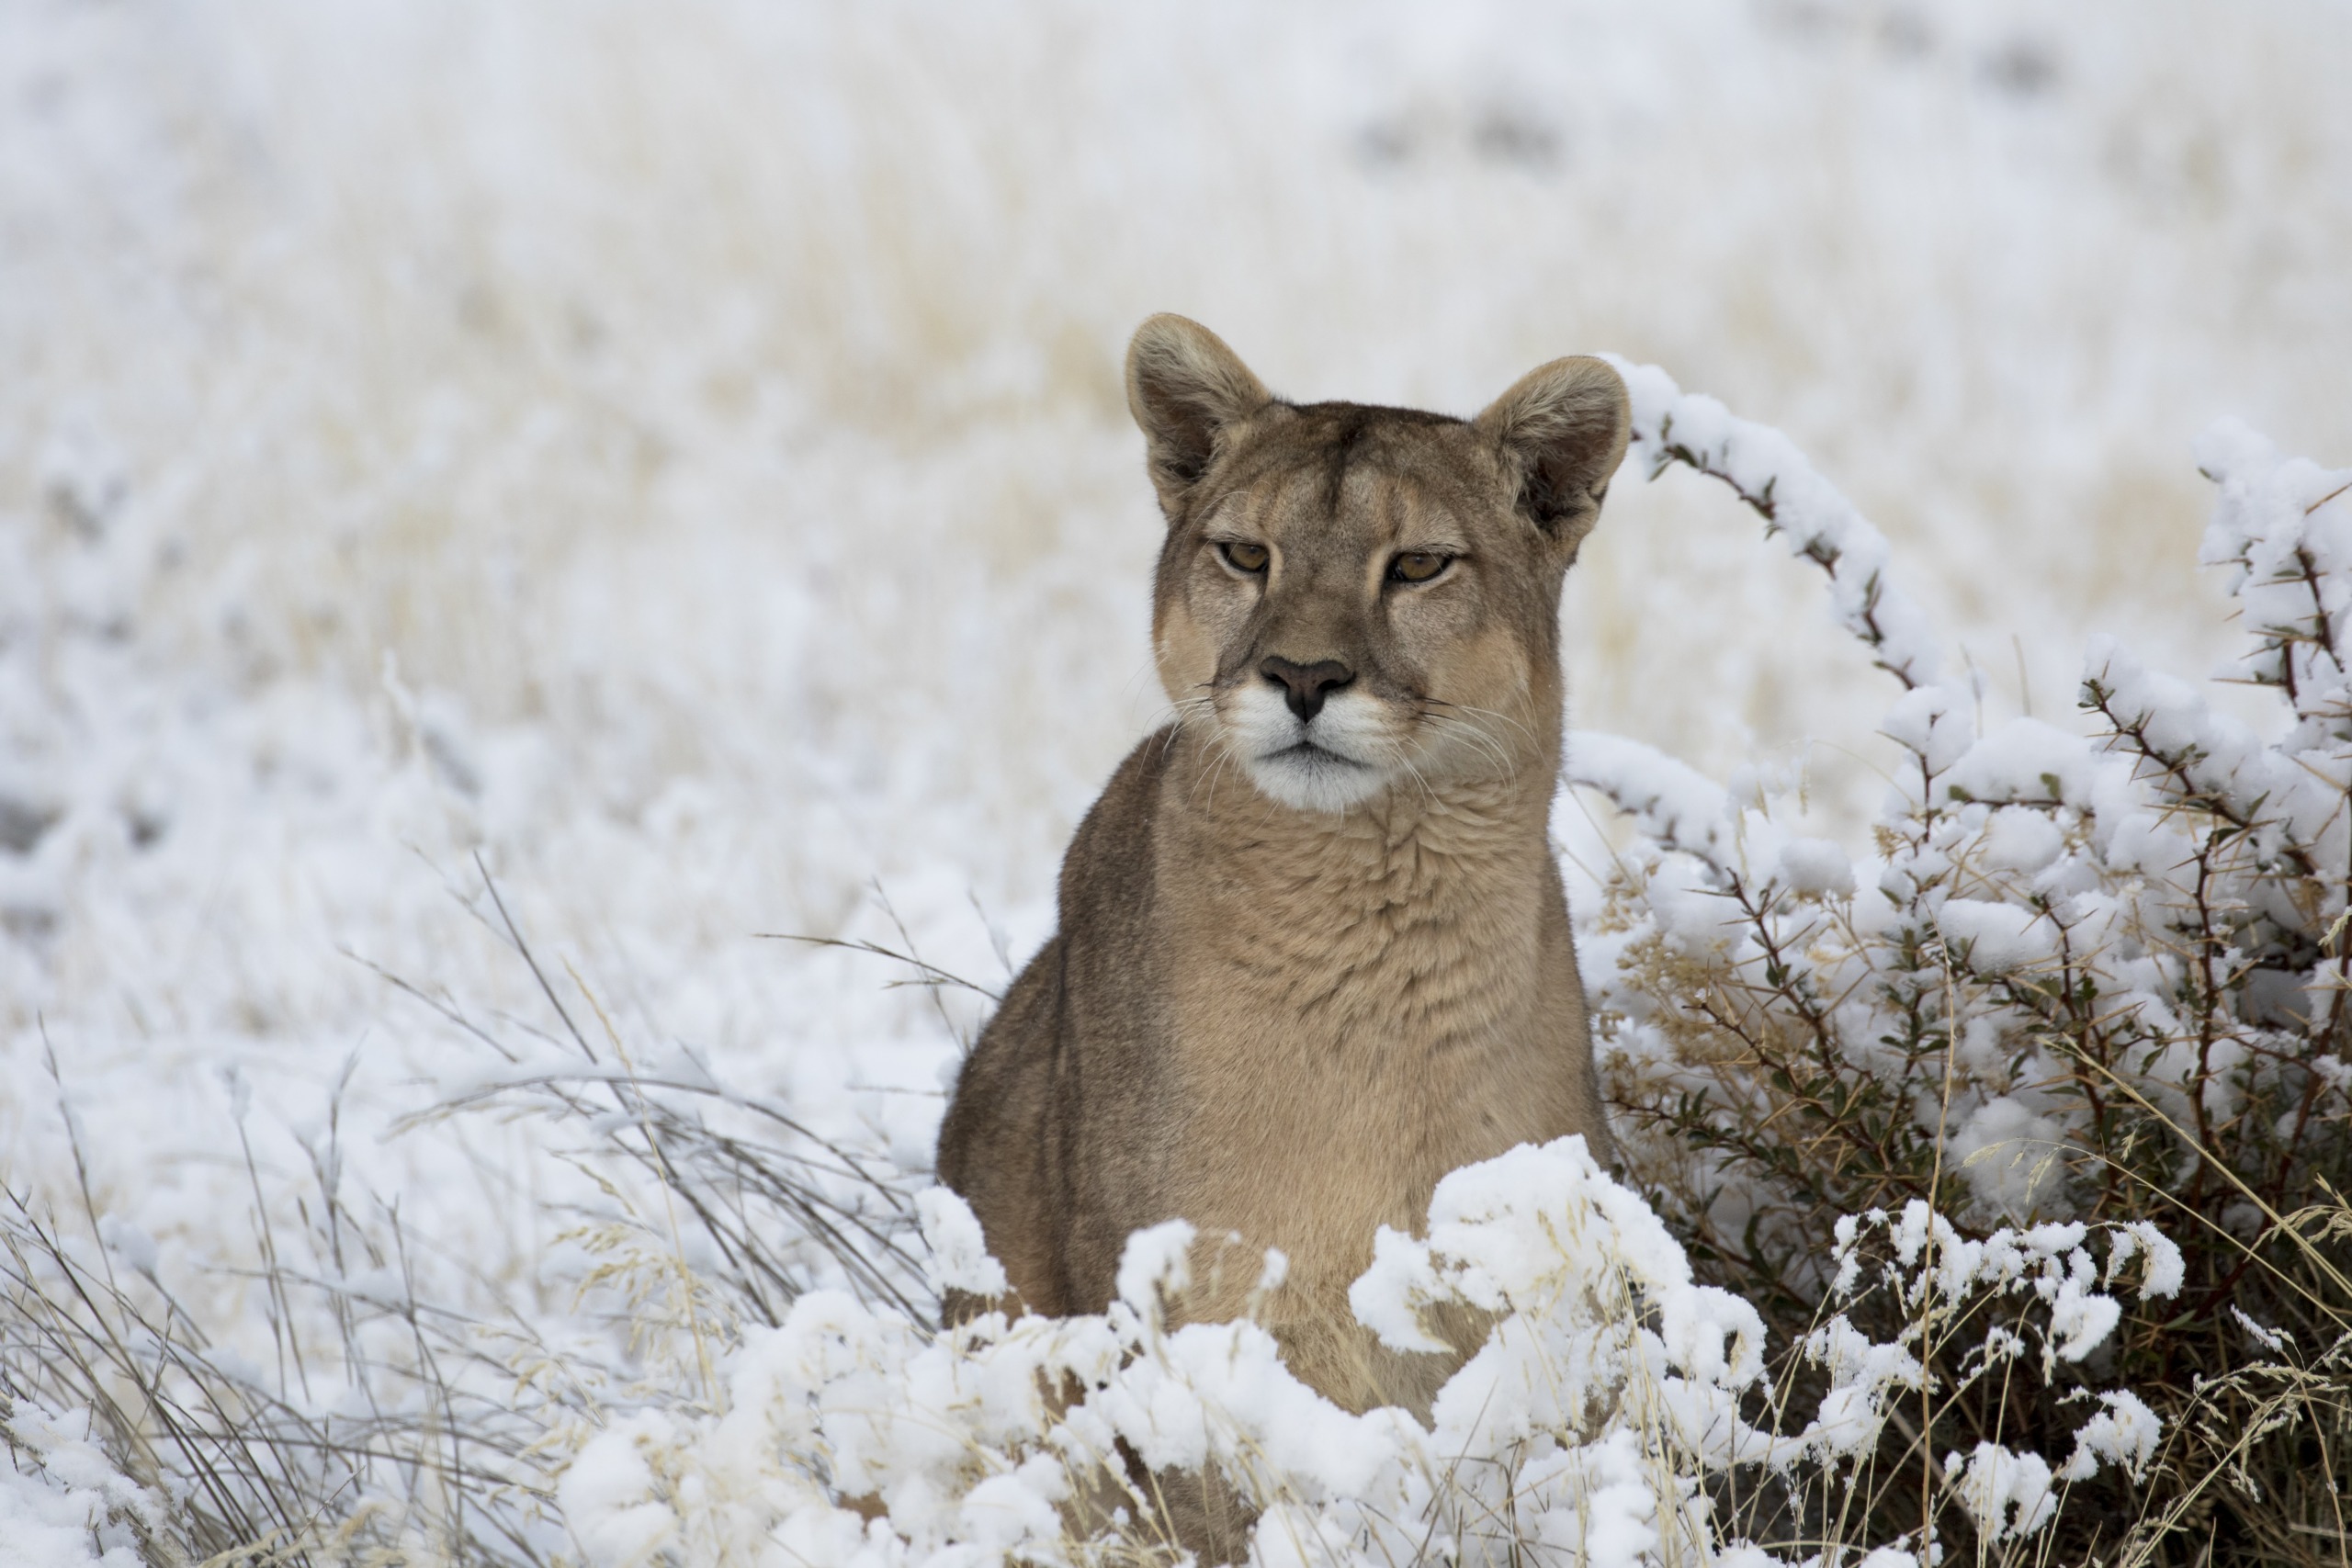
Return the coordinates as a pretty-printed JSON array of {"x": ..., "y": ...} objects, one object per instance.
[{"x": 1293, "y": 988}]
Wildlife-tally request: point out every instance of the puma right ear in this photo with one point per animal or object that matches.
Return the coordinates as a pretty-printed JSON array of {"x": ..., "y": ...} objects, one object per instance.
[
  {"x": 1184, "y": 387},
  {"x": 1564, "y": 425}
]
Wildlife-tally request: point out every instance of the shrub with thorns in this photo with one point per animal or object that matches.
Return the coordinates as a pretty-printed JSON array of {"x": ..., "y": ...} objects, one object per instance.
[{"x": 2083, "y": 978}]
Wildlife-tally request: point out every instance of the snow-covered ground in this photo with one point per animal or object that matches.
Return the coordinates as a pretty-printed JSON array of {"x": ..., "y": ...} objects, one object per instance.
[{"x": 674, "y": 458}]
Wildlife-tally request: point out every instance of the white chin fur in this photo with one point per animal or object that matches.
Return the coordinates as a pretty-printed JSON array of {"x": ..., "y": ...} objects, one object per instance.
[
  {"x": 1310, "y": 779},
  {"x": 1309, "y": 767}
]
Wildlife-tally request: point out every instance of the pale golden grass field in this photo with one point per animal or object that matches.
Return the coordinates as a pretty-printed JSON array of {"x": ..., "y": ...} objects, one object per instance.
[{"x": 401, "y": 318}]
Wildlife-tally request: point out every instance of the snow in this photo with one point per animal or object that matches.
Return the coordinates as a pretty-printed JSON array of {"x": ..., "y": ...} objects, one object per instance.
[
  {"x": 1714, "y": 1336},
  {"x": 2010, "y": 1153},
  {"x": 1156, "y": 1265},
  {"x": 2007, "y": 1493},
  {"x": 668, "y": 467},
  {"x": 2124, "y": 1433},
  {"x": 1996, "y": 939},
  {"x": 959, "y": 1255},
  {"x": 2285, "y": 526},
  {"x": 608, "y": 1497},
  {"x": 1819, "y": 867},
  {"x": 62, "y": 1503},
  {"x": 2165, "y": 1272}
]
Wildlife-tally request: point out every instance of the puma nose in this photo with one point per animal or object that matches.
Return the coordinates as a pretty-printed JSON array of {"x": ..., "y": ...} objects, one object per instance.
[{"x": 1304, "y": 685}]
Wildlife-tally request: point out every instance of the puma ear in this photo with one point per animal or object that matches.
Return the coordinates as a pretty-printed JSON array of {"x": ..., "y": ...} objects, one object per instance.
[
  {"x": 1565, "y": 424},
  {"x": 1184, "y": 387}
]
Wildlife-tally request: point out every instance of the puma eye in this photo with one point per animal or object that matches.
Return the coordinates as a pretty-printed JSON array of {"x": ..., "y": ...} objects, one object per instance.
[
  {"x": 1242, "y": 556},
  {"x": 1418, "y": 566}
]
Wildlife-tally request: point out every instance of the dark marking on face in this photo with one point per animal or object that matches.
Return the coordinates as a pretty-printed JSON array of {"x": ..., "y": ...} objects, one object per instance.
[{"x": 1347, "y": 430}]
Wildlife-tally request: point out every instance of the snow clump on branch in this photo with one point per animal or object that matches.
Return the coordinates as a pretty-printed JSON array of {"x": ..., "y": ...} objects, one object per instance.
[{"x": 1609, "y": 1390}]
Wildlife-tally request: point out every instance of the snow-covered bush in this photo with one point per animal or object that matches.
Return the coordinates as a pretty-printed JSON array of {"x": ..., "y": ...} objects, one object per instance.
[
  {"x": 1607, "y": 1421},
  {"x": 2081, "y": 977}
]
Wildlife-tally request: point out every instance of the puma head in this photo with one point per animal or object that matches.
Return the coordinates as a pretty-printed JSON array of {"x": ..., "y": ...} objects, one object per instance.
[{"x": 1352, "y": 599}]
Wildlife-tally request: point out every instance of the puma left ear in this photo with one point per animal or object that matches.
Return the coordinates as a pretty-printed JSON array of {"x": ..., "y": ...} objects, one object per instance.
[{"x": 1565, "y": 424}]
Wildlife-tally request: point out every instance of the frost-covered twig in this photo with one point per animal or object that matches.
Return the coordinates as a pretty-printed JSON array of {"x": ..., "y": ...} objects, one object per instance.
[
  {"x": 1672, "y": 803},
  {"x": 2285, "y": 526},
  {"x": 1765, "y": 469}
]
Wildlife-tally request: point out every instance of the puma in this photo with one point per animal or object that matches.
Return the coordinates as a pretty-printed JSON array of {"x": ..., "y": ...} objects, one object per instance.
[{"x": 1314, "y": 950}]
